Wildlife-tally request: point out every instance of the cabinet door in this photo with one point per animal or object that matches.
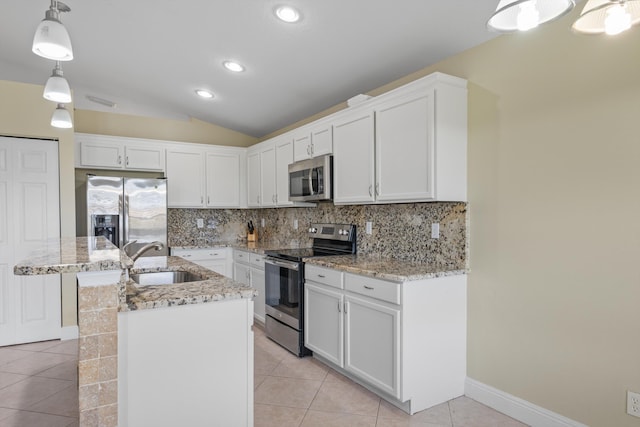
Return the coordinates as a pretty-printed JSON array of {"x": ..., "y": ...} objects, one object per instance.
[
  {"x": 101, "y": 155},
  {"x": 372, "y": 343},
  {"x": 268, "y": 177},
  {"x": 302, "y": 146},
  {"x": 185, "y": 178},
  {"x": 284, "y": 156},
  {"x": 323, "y": 322},
  {"x": 405, "y": 149},
  {"x": 223, "y": 180},
  {"x": 353, "y": 158},
  {"x": 257, "y": 282},
  {"x": 144, "y": 158},
  {"x": 241, "y": 273},
  {"x": 253, "y": 179},
  {"x": 322, "y": 141}
]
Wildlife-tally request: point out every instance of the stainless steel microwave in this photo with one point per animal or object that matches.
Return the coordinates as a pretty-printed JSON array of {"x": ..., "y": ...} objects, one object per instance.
[{"x": 311, "y": 180}]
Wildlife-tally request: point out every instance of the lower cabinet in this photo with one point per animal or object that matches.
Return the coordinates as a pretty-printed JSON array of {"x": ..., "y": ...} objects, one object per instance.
[
  {"x": 404, "y": 341},
  {"x": 217, "y": 259},
  {"x": 248, "y": 269}
]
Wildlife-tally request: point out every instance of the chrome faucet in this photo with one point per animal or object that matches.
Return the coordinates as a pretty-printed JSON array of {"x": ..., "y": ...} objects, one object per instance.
[{"x": 157, "y": 245}]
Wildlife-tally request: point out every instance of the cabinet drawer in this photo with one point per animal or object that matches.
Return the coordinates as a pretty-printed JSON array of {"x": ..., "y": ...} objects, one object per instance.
[
  {"x": 374, "y": 288},
  {"x": 256, "y": 260},
  {"x": 200, "y": 254},
  {"x": 241, "y": 256},
  {"x": 323, "y": 275}
]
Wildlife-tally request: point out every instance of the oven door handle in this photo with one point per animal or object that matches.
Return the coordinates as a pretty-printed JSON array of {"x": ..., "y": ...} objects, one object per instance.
[{"x": 286, "y": 264}]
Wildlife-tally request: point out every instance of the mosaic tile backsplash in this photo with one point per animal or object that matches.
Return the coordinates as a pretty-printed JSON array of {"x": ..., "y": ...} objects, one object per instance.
[{"x": 400, "y": 231}]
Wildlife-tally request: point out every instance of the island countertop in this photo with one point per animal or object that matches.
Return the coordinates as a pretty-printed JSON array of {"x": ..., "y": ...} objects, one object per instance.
[
  {"x": 73, "y": 255},
  {"x": 214, "y": 287},
  {"x": 385, "y": 268}
]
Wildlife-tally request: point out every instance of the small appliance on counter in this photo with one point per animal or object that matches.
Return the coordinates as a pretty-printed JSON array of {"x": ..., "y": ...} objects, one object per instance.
[
  {"x": 284, "y": 282},
  {"x": 128, "y": 209}
]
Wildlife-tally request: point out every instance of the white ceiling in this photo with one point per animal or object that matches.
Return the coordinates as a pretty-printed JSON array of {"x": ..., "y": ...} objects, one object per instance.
[{"x": 149, "y": 56}]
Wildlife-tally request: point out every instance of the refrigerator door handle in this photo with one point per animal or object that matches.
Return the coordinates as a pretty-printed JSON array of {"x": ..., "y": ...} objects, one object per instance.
[{"x": 125, "y": 232}]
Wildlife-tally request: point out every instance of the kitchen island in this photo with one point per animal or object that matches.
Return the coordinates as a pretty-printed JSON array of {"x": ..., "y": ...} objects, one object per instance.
[{"x": 141, "y": 347}]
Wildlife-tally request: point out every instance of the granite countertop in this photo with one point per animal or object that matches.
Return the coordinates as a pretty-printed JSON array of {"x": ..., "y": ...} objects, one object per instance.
[
  {"x": 73, "y": 255},
  {"x": 385, "y": 268},
  {"x": 256, "y": 247},
  {"x": 215, "y": 287}
]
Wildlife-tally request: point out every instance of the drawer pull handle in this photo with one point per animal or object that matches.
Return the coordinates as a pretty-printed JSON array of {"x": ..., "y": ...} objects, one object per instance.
[
  {"x": 322, "y": 276},
  {"x": 368, "y": 287}
]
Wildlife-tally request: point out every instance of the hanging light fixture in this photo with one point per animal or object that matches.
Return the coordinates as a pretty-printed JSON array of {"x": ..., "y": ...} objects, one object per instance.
[
  {"x": 608, "y": 16},
  {"x": 61, "y": 118},
  {"x": 523, "y": 15},
  {"x": 57, "y": 89},
  {"x": 52, "y": 40}
]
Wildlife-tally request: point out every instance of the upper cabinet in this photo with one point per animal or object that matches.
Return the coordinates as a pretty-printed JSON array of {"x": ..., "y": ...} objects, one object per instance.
[
  {"x": 312, "y": 141},
  {"x": 106, "y": 152},
  {"x": 202, "y": 176},
  {"x": 407, "y": 145}
]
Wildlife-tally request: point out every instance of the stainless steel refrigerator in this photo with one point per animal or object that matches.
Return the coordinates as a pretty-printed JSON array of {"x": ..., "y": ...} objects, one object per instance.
[{"x": 128, "y": 209}]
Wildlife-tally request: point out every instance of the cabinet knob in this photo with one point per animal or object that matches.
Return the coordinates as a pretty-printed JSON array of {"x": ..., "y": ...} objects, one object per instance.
[
  {"x": 127, "y": 161},
  {"x": 119, "y": 160}
]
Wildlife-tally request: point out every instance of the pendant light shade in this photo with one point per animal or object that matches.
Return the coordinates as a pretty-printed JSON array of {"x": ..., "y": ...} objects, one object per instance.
[
  {"x": 610, "y": 17},
  {"x": 52, "y": 40},
  {"x": 61, "y": 118},
  {"x": 57, "y": 89},
  {"x": 522, "y": 15}
]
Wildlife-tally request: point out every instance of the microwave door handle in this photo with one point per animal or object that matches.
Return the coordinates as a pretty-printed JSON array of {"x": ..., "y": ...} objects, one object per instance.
[{"x": 313, "y": 190}]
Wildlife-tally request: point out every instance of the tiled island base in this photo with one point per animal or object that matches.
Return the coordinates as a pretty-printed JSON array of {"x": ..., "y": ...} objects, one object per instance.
[{"x": 98, "y": 355}]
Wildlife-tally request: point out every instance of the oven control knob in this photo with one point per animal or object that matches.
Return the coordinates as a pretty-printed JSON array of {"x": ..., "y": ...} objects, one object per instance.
[
  {"x": 313, "y": 230},
  {"x": 343, "y": 232}
]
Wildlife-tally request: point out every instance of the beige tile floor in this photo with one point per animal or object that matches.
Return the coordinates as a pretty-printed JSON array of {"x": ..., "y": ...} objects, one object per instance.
[
  {"x": 303, "y": 392},
  {"x": 38, "y": 388},
  {"x": 39, "y": 384}
]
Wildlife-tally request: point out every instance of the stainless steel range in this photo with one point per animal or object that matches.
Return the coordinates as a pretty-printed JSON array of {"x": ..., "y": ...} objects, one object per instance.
[{"x": 284, "y": 282}]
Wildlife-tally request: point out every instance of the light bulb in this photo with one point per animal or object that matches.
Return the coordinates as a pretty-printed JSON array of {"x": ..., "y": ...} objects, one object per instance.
[
  {"x": 528, "y": 16},
  {"x": 617, "y": 20}
]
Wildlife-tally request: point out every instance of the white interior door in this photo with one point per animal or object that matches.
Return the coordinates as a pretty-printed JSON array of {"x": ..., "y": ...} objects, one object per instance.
[{"x": 29, "y": 213}]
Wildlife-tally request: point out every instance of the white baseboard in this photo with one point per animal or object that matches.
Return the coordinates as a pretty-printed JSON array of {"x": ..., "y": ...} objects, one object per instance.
[
  {"x": 521, "y": 410},
  {"x": 69, "y": 333}
]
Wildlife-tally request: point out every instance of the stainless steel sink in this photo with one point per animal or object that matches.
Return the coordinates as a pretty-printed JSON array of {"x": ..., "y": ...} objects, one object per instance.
[{"x": 164, "y": 278}]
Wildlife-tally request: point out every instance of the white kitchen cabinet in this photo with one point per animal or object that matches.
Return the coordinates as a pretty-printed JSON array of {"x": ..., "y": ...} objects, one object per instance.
[
  {"x": 372, "y": 343},
  {"x": 407, "y": 145},
  {"x": 107, "y": 152},
  {"x": 284, "y": 156},
  {"x": 324, "y": 330},
  {"x": 185, "y": 177},
  {"x": 223, "y": 179},
  {"x": 217, "y": 259},
  {"x": 261, "y": 176},
  {"x": 405, "y": 341},
  {"x": 248, "y": 269},
  {"x": 313, "y": 141},
  {"x": 198, "y": 357},
  {"x": 354, "y": 158}
]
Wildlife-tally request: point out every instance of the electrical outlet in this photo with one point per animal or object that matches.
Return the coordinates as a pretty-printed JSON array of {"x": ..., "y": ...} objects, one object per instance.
[
  {"x": 633, "y": 403},
  {"x": 200, "y": 222},
  {"x": 262, "y": 222},
  {"x": 368, "y": 227},
  {"x": 295, "y": 224},
  {"x": 435, "y": 230}
]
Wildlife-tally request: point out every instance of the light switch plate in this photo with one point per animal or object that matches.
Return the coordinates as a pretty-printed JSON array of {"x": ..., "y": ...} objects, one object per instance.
[
  {"x": 200, "y": 222},
  {"x": 368, "y": 227},
  {"x": 435, "y": 230}
]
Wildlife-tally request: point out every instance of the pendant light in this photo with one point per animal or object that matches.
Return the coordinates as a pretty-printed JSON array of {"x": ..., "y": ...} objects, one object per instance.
[
  {"x": 608, "y": 16},
  {"x": 57, "y": 89},
  {"x": 52, "y": 40},
  {"x": 523, "y": 15},
  {"x": 61, "y": 118}
]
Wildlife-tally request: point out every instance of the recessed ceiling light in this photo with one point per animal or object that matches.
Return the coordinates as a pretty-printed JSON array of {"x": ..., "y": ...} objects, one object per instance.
[
  {"x": 204, "y": 93},
  {"x": 233, "y": 66},
  {"x": 287, "y": 14}
]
